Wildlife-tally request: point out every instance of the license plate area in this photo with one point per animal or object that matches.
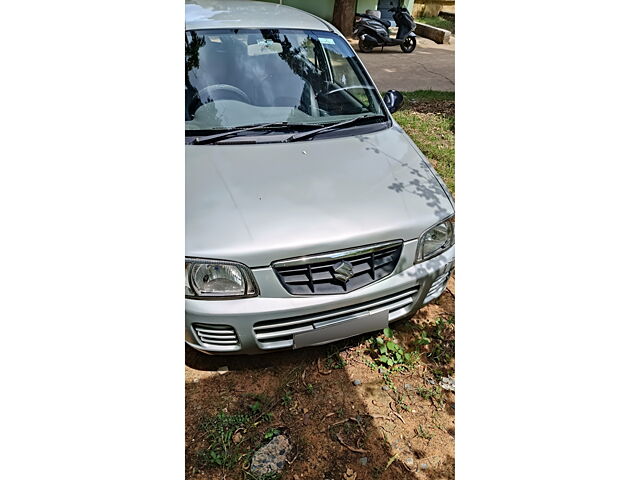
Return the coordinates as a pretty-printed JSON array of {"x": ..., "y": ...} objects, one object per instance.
[{"x": 332, "y": 330}]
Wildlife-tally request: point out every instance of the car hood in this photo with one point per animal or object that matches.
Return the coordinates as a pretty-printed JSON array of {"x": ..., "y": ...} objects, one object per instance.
[{"x": 256, "y": 204}]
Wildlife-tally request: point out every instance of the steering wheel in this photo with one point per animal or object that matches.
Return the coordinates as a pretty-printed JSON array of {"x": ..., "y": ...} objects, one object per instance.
[
  {"x": 208, "y": 94},
  {"x": 341, "y": 89}
]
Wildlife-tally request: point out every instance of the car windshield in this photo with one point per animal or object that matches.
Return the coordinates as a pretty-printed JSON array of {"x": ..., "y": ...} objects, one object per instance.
[{"x": 239, "y": 78}]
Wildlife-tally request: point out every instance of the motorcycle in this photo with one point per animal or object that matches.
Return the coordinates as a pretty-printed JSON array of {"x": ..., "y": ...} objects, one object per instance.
[{"x": 374, "y": 32}]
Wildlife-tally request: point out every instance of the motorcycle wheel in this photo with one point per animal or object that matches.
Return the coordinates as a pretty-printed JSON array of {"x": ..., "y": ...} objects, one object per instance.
[
  {"x": 363, "y": 47},
  {"x": 409, "y": 45}
]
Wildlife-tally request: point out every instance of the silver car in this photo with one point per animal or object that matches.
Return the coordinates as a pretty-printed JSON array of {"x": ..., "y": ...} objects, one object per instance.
[{"x": 310, "y": 215}]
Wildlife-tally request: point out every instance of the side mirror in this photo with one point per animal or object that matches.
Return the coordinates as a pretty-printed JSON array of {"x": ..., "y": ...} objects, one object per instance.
[{"x": 393, "y": 99}]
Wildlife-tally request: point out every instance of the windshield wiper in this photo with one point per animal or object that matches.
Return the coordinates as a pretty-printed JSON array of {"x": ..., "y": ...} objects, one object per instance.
[
  {"x": 210, "y": 139},
  {"x": 352, "y": 121}
]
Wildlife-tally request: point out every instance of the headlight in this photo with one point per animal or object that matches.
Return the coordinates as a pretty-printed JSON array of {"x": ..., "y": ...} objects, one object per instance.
[
  {"x": 217, "y": 278},
  {"x": 435, "y": 240}
]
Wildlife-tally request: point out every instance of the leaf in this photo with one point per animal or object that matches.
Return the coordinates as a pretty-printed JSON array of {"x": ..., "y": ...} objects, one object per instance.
[
  {"x": 392, "y": 346},
  {"x": 388, "y": 332},
  {"x": 384, "y": 359},
  {"x": 391, "y": 460},
  {"x": 383, "y": 349}
]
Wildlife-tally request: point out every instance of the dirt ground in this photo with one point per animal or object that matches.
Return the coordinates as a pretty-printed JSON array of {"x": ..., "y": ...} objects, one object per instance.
[{"x": 345, "y": 416}]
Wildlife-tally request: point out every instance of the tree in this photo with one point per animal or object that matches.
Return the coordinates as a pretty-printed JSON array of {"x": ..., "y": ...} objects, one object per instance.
[{"x": 343, "y": 16}]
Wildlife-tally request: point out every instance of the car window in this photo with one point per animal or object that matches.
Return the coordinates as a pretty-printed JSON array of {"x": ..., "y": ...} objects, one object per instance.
[
  {"x": 344, "y": 75},
  {"x": 245, "y": 77}
]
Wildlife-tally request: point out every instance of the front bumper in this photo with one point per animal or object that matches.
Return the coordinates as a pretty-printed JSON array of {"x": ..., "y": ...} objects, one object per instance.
[{"x": 268, "y": 322}]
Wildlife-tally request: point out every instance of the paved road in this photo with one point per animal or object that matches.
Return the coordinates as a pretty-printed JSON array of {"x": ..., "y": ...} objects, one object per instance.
[{"x": 429, "y": 67}]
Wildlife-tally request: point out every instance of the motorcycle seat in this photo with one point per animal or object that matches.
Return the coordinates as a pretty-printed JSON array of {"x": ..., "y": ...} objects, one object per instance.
[{"x": 386, "y": 23}]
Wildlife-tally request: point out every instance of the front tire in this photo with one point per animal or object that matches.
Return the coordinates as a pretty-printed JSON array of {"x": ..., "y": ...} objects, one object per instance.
[
  {"x": 409, "y": 45},
  {"x": 364, "y": 48}
]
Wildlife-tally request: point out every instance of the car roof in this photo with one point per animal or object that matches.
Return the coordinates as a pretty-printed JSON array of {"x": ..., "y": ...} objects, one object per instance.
[{"x": 205, "y": 14}]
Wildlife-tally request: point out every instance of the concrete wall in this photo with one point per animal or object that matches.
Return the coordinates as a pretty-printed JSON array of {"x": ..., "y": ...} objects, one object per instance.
[
  {"x": 324, "y": 8},
  {"x": 438, "y": 35}
]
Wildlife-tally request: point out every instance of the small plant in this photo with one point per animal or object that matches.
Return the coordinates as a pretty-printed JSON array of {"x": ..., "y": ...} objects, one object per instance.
[
  {"x": 219, "y": 431},
  {"x": 424, "y": 339},
  {"x": 388, "y": 354},
  {"x": 287, "y": 399},
  {"x": 401, "y": 403},
  {"x": 438, "y": 340},
  {"x": 259, "y": 408},
  {"x": 388, "y": 381},
  {"x": 272, "y": 432},
  {"x": 335, "y": 362},
  {"x": 309, "y": 388},
  {"x": 435, "y": 394},
  {"x": 441, "y": 326}
]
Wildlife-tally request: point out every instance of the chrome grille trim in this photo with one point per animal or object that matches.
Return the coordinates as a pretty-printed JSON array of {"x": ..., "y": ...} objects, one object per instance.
[
  {"x": 335, "y": 256},
  {"x": 216, "y": 335},
  {"x": 279, "y": 333}
]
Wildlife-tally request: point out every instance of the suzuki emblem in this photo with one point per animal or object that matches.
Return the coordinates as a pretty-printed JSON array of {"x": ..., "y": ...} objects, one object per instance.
[{"x": 343, "y": 271}]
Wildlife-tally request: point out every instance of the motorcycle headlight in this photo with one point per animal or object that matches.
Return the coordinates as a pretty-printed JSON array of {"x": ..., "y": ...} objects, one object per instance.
[
  {"x": 435, "y": 241},
  {"x": 217, "y": 279}
]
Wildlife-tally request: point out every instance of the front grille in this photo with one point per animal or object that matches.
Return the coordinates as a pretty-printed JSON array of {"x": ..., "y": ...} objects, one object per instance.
[
  {"x": 216, "y": 335},
  {"x": 279, "y": 333},
  {"x": 320, "y": 274}
]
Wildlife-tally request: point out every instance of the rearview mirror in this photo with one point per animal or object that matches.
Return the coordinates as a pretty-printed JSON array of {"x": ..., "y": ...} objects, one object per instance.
[{"x": 393, "y": 99}]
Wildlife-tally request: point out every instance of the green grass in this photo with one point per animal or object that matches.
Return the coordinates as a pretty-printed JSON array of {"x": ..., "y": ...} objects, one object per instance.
[
  {"x": 427, "y": 117},
  {"x": 439, "y": 22},
  {"x": 429, "y": 95},
  {"x": 226, "y": 452},
  {"x": 219, "y": 431}
]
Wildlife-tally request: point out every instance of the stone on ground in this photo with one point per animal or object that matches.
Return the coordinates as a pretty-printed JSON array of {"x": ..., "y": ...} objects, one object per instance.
[
  {"x": 271, "y": 458},
  {"x": 448, "y": 383}
]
